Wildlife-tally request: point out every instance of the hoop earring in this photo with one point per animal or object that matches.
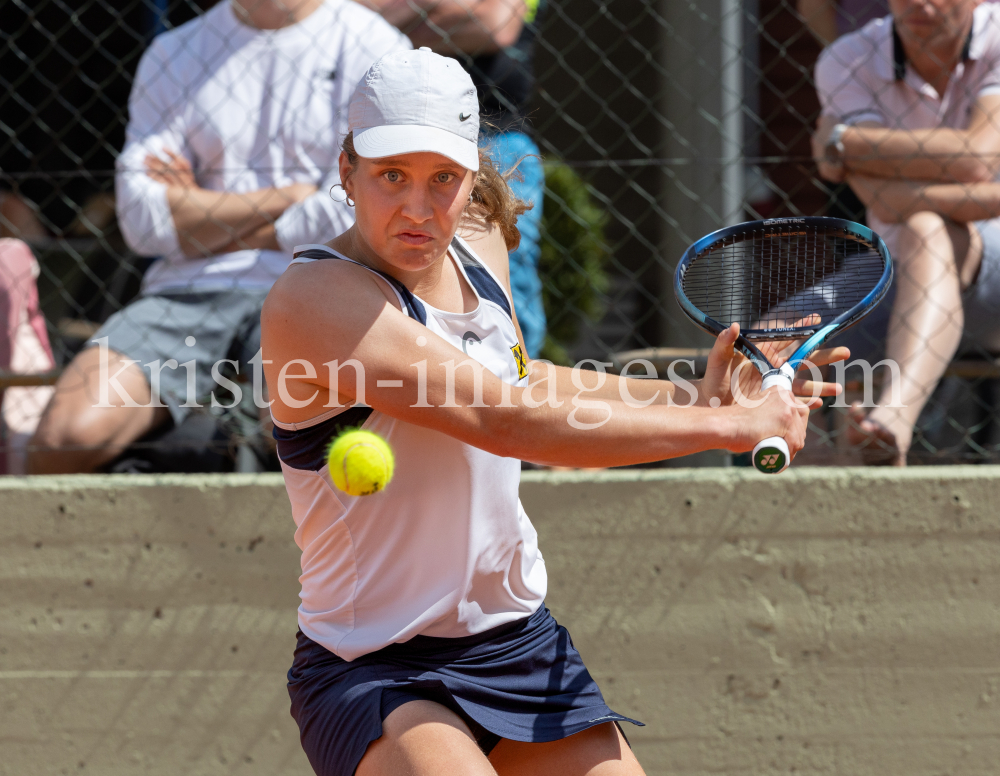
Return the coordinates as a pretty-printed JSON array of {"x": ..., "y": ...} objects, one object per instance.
[{"x": 336, "y": 198}]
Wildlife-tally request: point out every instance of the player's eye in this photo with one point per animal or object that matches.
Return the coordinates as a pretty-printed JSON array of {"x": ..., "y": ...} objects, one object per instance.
[
  {"x": 444, "y": 177},
  {"x": 392, "y": 176}
]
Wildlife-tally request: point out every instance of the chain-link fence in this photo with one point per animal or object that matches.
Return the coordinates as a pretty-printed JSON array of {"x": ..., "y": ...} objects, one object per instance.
[{"x": 656, "y": 123}]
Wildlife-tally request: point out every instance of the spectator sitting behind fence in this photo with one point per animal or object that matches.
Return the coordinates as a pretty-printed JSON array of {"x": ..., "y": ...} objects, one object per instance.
[
  {"x": 231, "y": 151},
  {"x": 494, "y": 40},
  {"x": 911, "y": 120},
  {"x": 827, "y": 20}
]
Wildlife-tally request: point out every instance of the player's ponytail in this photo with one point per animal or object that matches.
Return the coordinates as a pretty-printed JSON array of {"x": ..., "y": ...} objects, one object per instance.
[{"x": 492, "y": 200}]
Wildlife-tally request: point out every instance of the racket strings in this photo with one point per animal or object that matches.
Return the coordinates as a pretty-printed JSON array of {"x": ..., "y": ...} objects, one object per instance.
[{"x": 782, "y": 277}]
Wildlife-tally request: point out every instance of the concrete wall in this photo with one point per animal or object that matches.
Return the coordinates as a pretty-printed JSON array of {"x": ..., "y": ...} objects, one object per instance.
[{"x": 820, "y": 622}]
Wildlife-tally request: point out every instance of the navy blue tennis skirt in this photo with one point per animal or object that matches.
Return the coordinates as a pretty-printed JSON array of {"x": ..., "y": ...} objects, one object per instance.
[{"x": 524, "y": 681}]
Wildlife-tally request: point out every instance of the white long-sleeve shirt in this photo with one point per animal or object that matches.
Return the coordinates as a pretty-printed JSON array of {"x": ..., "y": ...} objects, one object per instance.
[{"x": 249, "y": 109}]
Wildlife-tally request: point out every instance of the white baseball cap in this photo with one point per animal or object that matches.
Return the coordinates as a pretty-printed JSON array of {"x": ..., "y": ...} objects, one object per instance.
[{"x": 413, "y": 101}]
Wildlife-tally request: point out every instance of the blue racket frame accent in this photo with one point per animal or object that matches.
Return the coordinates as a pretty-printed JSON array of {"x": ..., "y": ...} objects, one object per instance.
[{"x": 814, "y": 337}]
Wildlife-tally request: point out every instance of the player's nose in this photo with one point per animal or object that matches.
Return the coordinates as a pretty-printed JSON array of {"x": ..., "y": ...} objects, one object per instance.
[{"x": 417, "y": 205}]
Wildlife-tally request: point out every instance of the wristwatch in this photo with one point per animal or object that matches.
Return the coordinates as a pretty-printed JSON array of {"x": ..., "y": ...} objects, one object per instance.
[{"x": 833, "y": 152}]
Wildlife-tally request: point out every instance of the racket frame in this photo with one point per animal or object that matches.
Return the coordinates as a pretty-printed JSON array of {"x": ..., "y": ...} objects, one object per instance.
[{"x": 813, "y": 336}]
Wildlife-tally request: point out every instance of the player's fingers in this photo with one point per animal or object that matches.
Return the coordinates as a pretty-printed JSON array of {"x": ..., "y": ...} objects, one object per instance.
[
  {"x": 809, "y": 320},
  {"x": 828, "y": 356},
  {"x": 811, "y": 388},
  {"x": 803, "y": 424},
  {"x": 722, "y": 349},
  {"x": 803, "y": 403},
  {"x": 778, "y": 352}
]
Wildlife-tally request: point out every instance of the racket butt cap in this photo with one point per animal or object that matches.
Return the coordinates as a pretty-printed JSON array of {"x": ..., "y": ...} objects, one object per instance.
[{"x": 771, "y": 456}]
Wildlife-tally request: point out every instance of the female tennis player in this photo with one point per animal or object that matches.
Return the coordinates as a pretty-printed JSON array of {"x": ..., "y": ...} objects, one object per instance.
[{"x": 425, "y": 647}]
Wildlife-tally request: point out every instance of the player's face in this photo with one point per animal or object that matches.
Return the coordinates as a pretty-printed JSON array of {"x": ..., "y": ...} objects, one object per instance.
[
  {"x": 408, "y": 207},
  {"x": 934, "y": 22}
]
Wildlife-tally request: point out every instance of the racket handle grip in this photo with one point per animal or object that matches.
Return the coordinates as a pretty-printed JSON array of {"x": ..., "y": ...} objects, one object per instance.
[
  {"x": 771, "y": 455},
  {"x": 781, "y": 378}
]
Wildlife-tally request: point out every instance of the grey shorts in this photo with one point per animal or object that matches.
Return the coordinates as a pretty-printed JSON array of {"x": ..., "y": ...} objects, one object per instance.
[
  {"x": 980, "y": 302},
  {"x": 205, "y": 327}
]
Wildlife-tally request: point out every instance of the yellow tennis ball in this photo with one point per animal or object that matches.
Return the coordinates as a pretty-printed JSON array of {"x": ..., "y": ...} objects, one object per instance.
[{"x": 360, "y": 462}]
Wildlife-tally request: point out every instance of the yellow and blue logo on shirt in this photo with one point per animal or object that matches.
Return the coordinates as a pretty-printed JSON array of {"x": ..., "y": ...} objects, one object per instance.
[{"x": 522, "y": 364}]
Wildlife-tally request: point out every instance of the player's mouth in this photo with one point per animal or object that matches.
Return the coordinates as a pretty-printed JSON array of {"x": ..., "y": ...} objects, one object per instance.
[{"x": 411, "y": 237}]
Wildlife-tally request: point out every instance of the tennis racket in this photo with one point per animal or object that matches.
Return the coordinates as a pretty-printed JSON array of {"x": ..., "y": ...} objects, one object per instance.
[{"x": 783, "y": 279}]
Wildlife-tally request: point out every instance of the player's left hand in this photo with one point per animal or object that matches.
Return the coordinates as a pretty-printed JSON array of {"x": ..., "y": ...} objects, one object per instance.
[{"x": 725, "y": 363}]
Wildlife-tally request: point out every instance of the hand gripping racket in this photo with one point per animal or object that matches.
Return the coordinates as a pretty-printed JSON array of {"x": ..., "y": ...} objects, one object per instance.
[{"x": 769, "y": 276}]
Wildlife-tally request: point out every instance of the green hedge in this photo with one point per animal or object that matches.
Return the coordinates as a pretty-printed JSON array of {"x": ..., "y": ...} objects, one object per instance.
[{"x": 573, "y": 260}]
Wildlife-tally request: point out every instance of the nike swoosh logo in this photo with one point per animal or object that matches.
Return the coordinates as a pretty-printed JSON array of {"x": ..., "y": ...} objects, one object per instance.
[{"x": 464, "y": 116}]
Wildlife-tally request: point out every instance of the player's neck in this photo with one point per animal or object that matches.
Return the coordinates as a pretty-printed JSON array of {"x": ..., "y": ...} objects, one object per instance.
[
  {"x": 353, "y": 245},
  {"x": 273, "y": 14},
  {"x": 439, "y": 284}
]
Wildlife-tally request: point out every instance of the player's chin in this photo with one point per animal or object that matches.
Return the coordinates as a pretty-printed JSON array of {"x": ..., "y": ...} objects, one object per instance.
[{"x": 415, "y": 257}]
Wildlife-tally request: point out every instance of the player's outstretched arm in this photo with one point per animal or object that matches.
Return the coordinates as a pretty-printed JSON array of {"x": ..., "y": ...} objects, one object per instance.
[
  {"x": 332, "y": 334},
  {"x": 729, "y": 375}
]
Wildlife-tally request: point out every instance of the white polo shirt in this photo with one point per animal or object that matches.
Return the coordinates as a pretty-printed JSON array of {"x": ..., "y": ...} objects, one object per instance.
[
  {"x": 249, "y": 109},
  {"x": 864, "y": 76}
]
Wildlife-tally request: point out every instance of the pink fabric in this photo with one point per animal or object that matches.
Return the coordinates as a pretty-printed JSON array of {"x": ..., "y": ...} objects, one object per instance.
[{"x": 18, "y": 292}]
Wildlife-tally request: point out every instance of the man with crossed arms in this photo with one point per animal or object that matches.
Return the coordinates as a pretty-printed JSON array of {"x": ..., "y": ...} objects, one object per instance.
[
  {"x": 911, "y": 120},
  {"x": 235, "y": 123}
]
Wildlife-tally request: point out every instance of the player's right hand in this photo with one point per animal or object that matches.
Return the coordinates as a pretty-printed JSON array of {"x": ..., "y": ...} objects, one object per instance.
[
  {"x": 729, "y": 375},
  {"x": 775, "y": 412}
]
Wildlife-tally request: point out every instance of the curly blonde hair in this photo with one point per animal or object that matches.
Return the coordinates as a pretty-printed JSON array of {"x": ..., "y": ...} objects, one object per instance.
[{"x": 492, "y": 200}]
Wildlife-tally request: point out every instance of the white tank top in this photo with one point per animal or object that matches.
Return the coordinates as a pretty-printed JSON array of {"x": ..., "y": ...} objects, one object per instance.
[{"x": 446, "y": 549}]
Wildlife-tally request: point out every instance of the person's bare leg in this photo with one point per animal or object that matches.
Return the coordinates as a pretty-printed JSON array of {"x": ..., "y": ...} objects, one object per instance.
[
  {"x": 18, "y": 219},
  {"x": 933, "y": 257},
  {"x": 422, "y": 738},
  {"x": 75, "y": 435},
  {"x": 598, "y": 751}
]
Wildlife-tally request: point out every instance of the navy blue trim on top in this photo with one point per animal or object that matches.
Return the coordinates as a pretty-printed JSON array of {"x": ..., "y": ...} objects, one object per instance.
[
  {"x": 414, "y": 307},
  {"x": 484, "y": 283},
  {"x": 306, "y": 448}
]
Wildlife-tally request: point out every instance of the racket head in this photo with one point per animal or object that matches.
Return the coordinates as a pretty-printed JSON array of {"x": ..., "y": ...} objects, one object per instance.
[{"x": 767, "y": 275}]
